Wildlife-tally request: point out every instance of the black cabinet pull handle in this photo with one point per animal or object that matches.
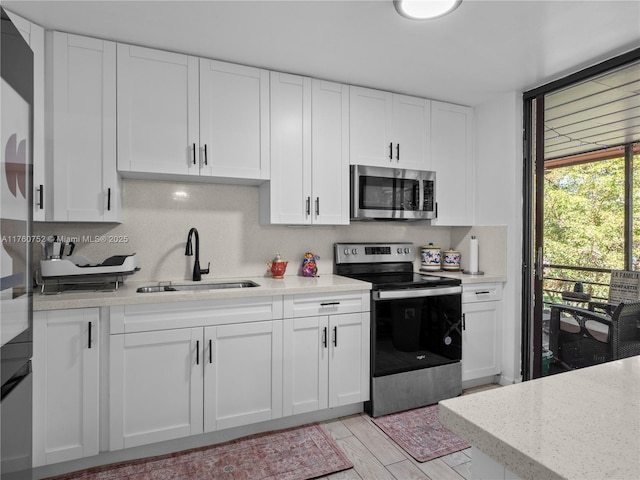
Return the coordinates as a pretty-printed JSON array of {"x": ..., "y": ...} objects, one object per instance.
[
  {"x": 317, "y": 206},
  {"x": 206, "y": 161},
  {"x": 436, "y": 209},
  {"x": 108, "y": 199},
  {"x": 391, "y": 151},
  {"x": 210, "y": 352},
  {"x": 483, "y": 292},
  {"x": 327, "y": 304},
  {"x": 397, "y": 152},
  {"x": 197, "y": 352},
  {"x": 324, "y": 337},
  {"x": 90, "y": 325},
  {"x": 335, "y": 336},
  {"x": 308, "y": 206},
  {"x": 41, "y": 197},
  {"x": 194, "y": 153},
  {"x": 464, "y": 323}
]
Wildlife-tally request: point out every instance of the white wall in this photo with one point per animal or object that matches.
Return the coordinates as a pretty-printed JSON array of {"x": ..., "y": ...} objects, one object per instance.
[
  {"x": 157, "y": 216},
  {"x": 499, "y": 161}
]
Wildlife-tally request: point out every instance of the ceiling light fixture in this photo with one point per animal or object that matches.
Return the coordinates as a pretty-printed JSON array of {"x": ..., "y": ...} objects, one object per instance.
[{"x": 425, "y": 9}]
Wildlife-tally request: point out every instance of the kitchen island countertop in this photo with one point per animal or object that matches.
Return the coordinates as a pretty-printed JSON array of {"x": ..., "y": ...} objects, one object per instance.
[
  {"x": 127, "y": 295},
  {"x": 582, "y": 425}
]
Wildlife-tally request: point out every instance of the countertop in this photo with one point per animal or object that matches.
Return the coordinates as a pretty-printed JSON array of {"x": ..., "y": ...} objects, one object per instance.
[
  {"x": 127, "y": 295},
  {"x": 289, "y": 285},
  {"x": 582, "y": 425}
]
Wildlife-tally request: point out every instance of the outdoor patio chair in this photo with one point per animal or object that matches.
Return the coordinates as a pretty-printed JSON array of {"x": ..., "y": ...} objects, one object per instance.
[{"x": 579, "y": 337}]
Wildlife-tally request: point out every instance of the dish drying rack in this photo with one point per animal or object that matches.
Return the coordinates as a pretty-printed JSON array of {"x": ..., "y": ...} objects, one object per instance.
[{"x": 78, "y": 274}]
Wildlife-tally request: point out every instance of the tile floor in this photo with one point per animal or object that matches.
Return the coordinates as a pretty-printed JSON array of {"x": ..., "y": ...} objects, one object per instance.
[{"x": 376, "y": 457}]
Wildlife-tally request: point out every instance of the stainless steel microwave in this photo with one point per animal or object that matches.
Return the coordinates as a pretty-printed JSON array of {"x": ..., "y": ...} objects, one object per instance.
[{"x": 381, "y": 193}]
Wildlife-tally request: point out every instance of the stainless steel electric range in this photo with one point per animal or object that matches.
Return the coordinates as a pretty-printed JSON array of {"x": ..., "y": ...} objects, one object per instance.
[{"x": 416, "y": 326}]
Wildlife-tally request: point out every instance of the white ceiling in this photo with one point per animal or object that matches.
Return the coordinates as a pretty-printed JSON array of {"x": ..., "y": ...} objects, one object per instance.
[{"x": 482, "y": 49}]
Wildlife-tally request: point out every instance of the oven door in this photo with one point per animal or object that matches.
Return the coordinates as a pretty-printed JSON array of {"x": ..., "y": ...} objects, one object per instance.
[
  {"x": 414, "y": 329},
  {"x": 391, "y": 193}
]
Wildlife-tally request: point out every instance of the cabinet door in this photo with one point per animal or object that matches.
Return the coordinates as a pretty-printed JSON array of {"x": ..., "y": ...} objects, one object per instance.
[
  {"x": 330, "y": 153},
  {"x": 157, "y": 112},
  {"x": 234, "y": 121},
  {"x": 156, "y": 386},
  {"x": 370, "y": 127},
  {"x": 481, "y": 340},
  {"x": 65, "y": 389},
  {"x": 411, "y": 124},
  {"x": 242, "y": 374},
  {"x": 85, "y": 181},
  {"x": 452, "y": 160},
  {"x": 290, "y": 188},
  {"x": 305, "y": 365},
  {"x": 348, "y": 359}
]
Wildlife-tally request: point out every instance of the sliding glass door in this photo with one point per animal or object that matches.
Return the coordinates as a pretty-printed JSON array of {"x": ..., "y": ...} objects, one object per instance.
[{"x": 582, "y": 194}]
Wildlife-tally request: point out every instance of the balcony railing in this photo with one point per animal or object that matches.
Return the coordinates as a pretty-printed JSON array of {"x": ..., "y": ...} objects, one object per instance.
[{"x": 563, "y": 278}]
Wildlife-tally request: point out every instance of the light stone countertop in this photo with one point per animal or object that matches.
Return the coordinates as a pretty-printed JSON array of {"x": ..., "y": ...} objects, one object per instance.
[
  {"x": 127, "y": 295},
  {"x": 582, "y": 425}
]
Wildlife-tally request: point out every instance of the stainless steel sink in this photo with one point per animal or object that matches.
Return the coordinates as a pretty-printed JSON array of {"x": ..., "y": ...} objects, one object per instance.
[{"x": 197, "y": 286}]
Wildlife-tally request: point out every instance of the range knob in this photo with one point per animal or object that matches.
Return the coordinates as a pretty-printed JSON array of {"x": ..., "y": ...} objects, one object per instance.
[
  {"x": 347, "y": 251},
  {"x": 399, "y": 251},
  {"x": 407, "y": 250},
  {"x": 354, "y": 251}
]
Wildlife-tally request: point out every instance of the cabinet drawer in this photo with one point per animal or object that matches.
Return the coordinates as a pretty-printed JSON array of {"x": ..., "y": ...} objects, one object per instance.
[
  {"x": 325, "y": 304},
  {"x": 481, "y": 292},
  {"x": 163, "y": 316}
]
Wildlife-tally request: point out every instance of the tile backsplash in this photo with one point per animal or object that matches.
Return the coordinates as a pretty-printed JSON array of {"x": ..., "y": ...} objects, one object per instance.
[{"x": 157, "y": 216}]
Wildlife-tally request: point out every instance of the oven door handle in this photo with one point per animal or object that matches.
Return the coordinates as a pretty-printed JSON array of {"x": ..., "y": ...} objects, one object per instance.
[{"x": 415, "y": 293}]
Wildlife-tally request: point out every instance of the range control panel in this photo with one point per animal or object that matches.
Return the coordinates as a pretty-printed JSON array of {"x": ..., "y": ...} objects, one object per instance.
[{"x": 373, "y": 252}]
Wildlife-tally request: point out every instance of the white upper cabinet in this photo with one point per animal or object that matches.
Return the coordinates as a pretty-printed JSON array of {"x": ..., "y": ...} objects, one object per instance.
[
  {"x": 81, "y": 107},
  {"x": 234, "y": 121},
  {"x": 180, "y": 115},
  {"x": 452, "y": 160},
  {"x": 309, "y": 153},
  {"x": 157, "y": 112},
  {"x": 388, "y": 129}
]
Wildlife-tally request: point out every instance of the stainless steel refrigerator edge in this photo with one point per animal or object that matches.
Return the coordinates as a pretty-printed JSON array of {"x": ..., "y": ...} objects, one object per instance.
[{"x": 16, "y": 202}]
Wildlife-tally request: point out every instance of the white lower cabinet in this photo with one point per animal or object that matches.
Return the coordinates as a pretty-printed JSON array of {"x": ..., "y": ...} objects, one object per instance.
[
  {"x": 326, "y": 357},
  {"x": 187, "y": 368},
  {"x": 176, "y": 382},
  {"x": 481, "y": 336},
  {"x": 66, "y": 384}
]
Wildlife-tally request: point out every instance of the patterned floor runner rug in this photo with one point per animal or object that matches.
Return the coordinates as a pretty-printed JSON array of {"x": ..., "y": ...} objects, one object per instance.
[
  {"x": 420, "y": 433},
  {"x": 293, "y": 454}
]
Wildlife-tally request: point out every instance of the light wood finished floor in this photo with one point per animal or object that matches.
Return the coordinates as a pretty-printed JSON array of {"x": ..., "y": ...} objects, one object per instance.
[{"x": 376, "y": 457}]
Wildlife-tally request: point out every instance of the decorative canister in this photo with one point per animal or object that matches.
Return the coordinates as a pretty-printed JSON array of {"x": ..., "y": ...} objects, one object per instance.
[
  {"x": 451, "y": 260},
  {"x": 430, "y": 257}
]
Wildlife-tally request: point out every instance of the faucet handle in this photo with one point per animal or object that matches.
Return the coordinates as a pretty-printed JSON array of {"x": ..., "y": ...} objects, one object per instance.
[{"x": 205, "y": 271}]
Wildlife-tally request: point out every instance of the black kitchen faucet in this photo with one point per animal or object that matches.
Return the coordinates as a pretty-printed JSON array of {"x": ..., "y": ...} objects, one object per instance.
[{"x": 197, "y": 271}]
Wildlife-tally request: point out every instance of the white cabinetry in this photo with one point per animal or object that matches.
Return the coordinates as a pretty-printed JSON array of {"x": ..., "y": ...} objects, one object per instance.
[
  {"x": 326, "y": 351},
  {"x": 186, "y": 368},
  {"x": 66, "y": 385},
  {"x": 81, "y": 123},
  {"x": 181, "y": 115},
  {"x": 234, "y": 121},
  {"x": 452, "y": 160},
  {"x": 309, "y": 153},
  {"x": 389, "y": 130},
  {"x": 481, "y": 336},
  {"x": 34, "y": 36}
]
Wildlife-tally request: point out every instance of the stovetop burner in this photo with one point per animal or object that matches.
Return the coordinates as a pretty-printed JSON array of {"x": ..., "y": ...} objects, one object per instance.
[{"x": 384, "y": 265}]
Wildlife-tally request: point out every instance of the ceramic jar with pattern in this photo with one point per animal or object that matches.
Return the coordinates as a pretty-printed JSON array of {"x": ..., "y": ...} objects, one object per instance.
[
  {"x": 451, "y": 260},
  {"x": 430, "y": 258}
]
